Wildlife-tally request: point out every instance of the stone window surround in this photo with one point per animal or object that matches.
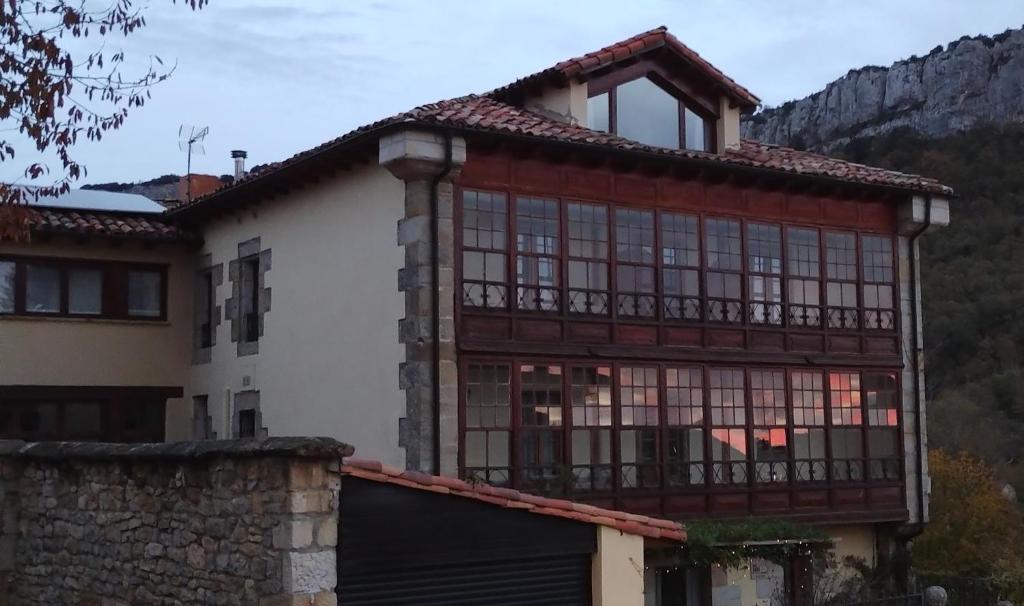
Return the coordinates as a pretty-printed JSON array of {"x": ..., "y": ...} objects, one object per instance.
[
  {"x": 232, "y": 307},
  {"x": 247, "y": 400},
  {"x": 204, "y": 264}
]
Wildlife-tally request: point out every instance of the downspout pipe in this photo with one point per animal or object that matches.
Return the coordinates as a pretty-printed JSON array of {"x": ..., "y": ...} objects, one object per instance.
[
  {"x": 435, "y": 302},
  {"x": 915, "y": 324}
]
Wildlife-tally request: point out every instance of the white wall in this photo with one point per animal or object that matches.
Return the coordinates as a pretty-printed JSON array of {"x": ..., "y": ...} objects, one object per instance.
[
  {"x": 618, "y": 568},
  {"x": 329, "y": 356}
]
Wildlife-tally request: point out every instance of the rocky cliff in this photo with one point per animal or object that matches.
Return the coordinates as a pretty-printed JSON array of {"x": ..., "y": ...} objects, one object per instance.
[{"x": 972, "y": 80}]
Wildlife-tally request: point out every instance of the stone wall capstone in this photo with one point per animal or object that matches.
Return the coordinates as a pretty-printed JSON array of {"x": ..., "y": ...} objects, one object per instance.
[{"x": 213, "y": 522}]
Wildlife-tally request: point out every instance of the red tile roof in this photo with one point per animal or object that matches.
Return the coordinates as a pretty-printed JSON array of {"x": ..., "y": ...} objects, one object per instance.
[
  {"x": 148, "y": 226},
  {"x": 644, "y": 526},
  {"x": 630, "y": 47},
  {"x": 489, "y": 114}
]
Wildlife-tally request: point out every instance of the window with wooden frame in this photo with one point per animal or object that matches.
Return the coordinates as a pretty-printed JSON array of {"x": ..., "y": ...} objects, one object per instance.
[
  {"x": 647, "y": 427},
  {"x": 680, "y": 266},
  {"x": 803, "y": 269},
  {"x": 537, "y": 254},
  {"x": 879, "y": 283},
  {"x": 724, "y": 254},
  {"x": 771, "y": 445},
  {"x": 684, "y": 426},
  {"x": 841, "y": 280},
  {"x": 484, "y": 250},
  {"x": 635, "y": 269},
  {"x": 807, "y": 390},
  {"x": 881, "y": 398},
  {"x": 205, "y": 305},
  {"x": 727, "y": 401},
  {"x": 79, "y": 288},
  {"x": 847, "y": 433},
  {"x": 764, "y": 267},
  {"x": 93, "y": 415},
  {"x": 589, "y": 292},
  {"x": 591, "y": 404},
  {"x": 540, "y": 440},
  {"x": 639, "y": 402},
  {"x": 487, "y": 417},
  {"x": 645, "y": 111}
]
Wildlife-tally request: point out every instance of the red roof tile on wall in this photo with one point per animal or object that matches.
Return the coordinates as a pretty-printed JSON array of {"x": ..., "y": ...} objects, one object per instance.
[{"x": 629, "y": 523}]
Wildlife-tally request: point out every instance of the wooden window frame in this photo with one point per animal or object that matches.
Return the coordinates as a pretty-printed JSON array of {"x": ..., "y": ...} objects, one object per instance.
[
  {"x": 879, "y": 322},
  {"x": 114, "y": 287},
  {"x": 508, "y": 285},
  {"x": 545, "y": 298},
  {"x": 685, "y": 101},
  {"x": 849, "y": 318},
  {"x": 619, "y": 491},
  {"x": 661, "y": 318},
  {"x": 117, "y": 403}
]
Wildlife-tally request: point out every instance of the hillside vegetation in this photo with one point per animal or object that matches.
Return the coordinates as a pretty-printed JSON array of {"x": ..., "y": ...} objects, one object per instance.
[{"x": 973, "y": 284}]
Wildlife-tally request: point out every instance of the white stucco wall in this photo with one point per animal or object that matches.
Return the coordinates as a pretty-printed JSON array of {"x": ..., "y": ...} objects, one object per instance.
[
  {"x": 101, "y": 352},
  {"x": 569, "y": 101},
  {"x": 618, "y": 568},
  {"x": 329, "y": 356}
]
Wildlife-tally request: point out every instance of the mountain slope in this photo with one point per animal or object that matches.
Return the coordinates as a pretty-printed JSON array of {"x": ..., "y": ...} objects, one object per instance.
[
  {"x": 968, "y": 82},
  {"x": 973, "y": 287}
]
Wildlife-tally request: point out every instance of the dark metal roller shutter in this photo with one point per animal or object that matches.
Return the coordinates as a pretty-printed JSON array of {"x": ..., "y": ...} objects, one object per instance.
[
  {"x": 404, "y": 546},
  {"x": 550, "y": 580}
]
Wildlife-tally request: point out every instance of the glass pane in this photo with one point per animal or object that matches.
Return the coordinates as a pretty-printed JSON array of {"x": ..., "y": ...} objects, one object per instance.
[
  {"x": 679, "y": 240},
  {"x": 42, "y": 289},
  {"x": 696, "y": 135},
  {"x": 882, "y": 443},
  {"x": 634, "y": 235},
  {"x": 144, "y": 293},
  {"x": 537, "y": 226},
  {"x": 6, "y": 287},
  {"x": 476, "y": 449},
  {"x": 644, "y": 112},
  {"x": 588, "y": 231},
  {"x": 841, "y": 256},
  {"x": 83, "y": 419},
  {"x": 592, "y": 396},
  {"x": 597, "y": 112},
  {"x": 540, "y": 395},
  {"x": 877, "y": 258},
  {"x": 802, "y": 249},
  {"x": 483, "y": 220},
  {"x": 724, "y": 244},
  {"x": 85, "y": 291}
]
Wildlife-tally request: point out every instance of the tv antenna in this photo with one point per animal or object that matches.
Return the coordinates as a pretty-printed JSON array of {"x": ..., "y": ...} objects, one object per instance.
[{"x": 191, "y": 138}]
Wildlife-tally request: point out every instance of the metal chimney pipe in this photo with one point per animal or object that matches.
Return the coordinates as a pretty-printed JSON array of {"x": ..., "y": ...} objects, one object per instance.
[{"x": 239, "y": 157}]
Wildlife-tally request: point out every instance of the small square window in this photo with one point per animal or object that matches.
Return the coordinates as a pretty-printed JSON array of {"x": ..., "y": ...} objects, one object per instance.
[{"x": 145, "y": 294}]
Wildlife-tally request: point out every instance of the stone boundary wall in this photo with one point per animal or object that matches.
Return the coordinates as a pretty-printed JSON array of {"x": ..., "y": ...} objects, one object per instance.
[{"x": 213, "y": 522}]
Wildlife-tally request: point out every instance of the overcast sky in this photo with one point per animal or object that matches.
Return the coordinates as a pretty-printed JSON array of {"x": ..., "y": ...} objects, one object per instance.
[{"x": 275, "y": 77}]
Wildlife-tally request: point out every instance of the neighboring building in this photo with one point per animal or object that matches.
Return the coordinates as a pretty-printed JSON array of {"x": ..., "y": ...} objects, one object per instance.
[
  {"x": 94, "y": 311},
  {"x": 635, "y": 308}
]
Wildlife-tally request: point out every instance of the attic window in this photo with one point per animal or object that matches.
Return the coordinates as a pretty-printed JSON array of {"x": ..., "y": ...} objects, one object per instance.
[{"x": 645, "y": 112}]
